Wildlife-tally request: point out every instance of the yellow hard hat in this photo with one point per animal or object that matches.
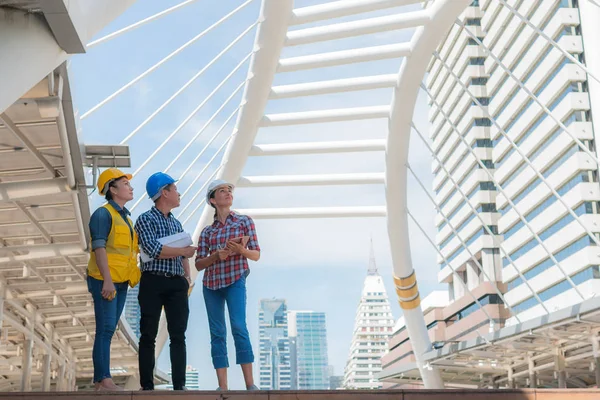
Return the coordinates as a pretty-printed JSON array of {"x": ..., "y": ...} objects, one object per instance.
[{"x": 110, "y": 175}]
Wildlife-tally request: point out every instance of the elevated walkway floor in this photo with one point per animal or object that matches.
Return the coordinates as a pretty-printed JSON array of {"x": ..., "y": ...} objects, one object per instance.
[{"x": 518, "y": 394}]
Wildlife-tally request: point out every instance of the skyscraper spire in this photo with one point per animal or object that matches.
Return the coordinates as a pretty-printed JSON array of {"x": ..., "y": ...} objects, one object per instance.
[
  {"x": 372, "y": 264},
  {"x": 373, "y": 325}
]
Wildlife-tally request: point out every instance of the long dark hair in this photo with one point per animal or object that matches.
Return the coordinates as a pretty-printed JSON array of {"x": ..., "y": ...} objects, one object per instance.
[{"x": 212, "y": 196}]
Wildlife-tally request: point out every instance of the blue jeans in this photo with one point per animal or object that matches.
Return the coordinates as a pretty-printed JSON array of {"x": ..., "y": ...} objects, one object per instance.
[
  {"x": 235, "y": 297},
  {"x": 107, "y": 313}
]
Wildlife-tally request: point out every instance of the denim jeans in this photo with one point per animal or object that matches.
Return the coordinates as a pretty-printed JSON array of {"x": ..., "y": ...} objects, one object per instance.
[
  {"x": 107, "y": 313},
  {"x": 235, "y": 297}
]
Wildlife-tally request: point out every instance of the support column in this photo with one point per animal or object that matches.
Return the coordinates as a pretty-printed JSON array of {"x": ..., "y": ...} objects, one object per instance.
[
  {"x": 2, "y": 297},
  {"x": 596, "y": 361},
  {"x": 532, "y": 373},
  {"x": 46, "y": 373},
  {"x": 511, "y": 380},
  {"x": 559, "y": 368},
  {"x": 424, "y": 41},
  {"x": 26, "y": 365},
  {"x": 60, "y": 383}
]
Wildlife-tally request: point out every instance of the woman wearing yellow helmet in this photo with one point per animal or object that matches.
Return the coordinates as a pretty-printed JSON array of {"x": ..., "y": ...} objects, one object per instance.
[{"x": 112, "y": 266}]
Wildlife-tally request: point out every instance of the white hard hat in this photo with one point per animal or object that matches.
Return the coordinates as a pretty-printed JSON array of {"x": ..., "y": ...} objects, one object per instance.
[{"x": 214, "y": 185}]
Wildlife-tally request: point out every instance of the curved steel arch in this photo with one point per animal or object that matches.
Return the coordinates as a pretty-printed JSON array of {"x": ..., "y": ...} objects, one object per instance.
[
  {"x": 270, "y": 39},
  {"x": 442, "y": 15}
]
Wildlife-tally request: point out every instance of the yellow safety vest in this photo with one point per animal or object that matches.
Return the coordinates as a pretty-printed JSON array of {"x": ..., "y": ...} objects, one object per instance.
[{"x": 121, "y": 251}]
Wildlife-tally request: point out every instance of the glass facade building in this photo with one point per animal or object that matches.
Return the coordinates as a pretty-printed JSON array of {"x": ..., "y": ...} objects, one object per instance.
[
  {"x": 274, "y": 346},
  {"x": 310, "y": 362}
]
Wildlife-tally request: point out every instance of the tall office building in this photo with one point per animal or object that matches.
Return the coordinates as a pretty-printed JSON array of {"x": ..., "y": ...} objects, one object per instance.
[
  {"x": 132, "y": 310},
  {"x": 308, "y": 343},
  {"x": 509, "y": 43},
  {"x": 275, "y": 363},
  {"x": 562, "y": 86},
  {"x": 372, "y": 328}
]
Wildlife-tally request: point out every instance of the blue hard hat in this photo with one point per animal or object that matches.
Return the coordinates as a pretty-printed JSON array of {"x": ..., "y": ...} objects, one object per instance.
[{"x": 156, "y": 183}]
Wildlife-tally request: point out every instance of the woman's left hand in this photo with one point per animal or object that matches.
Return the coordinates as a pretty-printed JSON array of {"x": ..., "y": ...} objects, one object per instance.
[{"x": 235, "y": 248}]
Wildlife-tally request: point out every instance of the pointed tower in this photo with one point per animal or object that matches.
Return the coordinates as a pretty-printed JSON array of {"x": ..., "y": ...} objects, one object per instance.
[{"x": 372, "y": 328}]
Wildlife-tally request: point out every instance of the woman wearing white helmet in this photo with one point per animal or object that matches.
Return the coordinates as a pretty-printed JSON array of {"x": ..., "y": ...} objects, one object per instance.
[{"x": 224, "y": 248}]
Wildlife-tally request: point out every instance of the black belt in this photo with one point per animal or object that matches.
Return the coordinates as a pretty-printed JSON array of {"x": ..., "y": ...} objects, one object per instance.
[{"x": 163, "y": 274}]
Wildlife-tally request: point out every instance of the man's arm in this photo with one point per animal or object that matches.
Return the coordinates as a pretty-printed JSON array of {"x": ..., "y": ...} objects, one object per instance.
[
  {"x": 186, "y": 270},
  {"x": 149, "y": 243}
]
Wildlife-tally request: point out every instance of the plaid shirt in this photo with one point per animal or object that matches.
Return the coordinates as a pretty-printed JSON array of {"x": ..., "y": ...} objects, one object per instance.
[
  {"x": 151, "y": 226},
  {"x": 214, "y": 237}
]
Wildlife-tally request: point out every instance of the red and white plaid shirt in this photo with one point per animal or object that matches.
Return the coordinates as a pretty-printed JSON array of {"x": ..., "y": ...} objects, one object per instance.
[{"x": 214, "y": 237}]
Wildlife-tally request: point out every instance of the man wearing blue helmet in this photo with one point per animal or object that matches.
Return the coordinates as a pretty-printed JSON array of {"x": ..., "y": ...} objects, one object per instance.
[{"x": 165, "y": 281}]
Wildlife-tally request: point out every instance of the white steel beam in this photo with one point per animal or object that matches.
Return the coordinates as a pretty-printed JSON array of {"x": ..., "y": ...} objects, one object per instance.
[
  {"x": 315, "y": 212},
  {"x": 40, "y": 251},
  {"x": 11, "y": 191},
  {"x": 334, "y": 86},
  {"x": 10, "y": 125},
  {"x": 315, "y": 117},
  {"x": 343, "y": 8},
  {"x": 442, "y": 14},
  {"x": 344, "y": 57},
  {"x": 357, "y": 28},
  {"x": 349, "y": 146},
  {"x": 69, "y": 291},
  {"x": 311, "y": 180},
  {"x": 31, "y": 51}
]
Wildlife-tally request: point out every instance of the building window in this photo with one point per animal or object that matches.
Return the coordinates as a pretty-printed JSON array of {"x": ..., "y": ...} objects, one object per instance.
[
  {"x": 473, "y": 22},
  {"x": 484, "y": 101},
  {"x": 477, "y": 61}
]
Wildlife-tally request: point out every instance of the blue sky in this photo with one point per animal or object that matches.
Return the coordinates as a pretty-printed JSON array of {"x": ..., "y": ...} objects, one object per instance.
[{"x": 314, "y": 264}]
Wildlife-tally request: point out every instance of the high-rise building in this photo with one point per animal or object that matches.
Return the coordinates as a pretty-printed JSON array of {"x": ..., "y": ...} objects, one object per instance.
[
  {"x": 335, "y": 381},
  {"x": 132, "y": 310},
  {"x": 562, "y": 86},
  {"x": 478, "y": 105},
  {"x": 372, "y": 328},
  {"x": 308, "y": 343},
  {"x": 192, "y": 379},
  {"x": 275, "y": 363}
]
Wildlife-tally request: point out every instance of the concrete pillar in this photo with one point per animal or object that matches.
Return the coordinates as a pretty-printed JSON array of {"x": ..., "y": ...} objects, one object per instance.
[
  {"x": 46, "y": 373},
  {"x": 459, "y": 290},
  {"x": 26, "y": 365},
  {"x": 532, "y": 374},
  {"x": 2, "y": 297},
  {"x": 61, "y": 378},
  {"x": 559, "y": 368},
  {"x": 511, "y": 380},
  {"x": 472, "y": 275},
  {"x": 596, "y": 361}
]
